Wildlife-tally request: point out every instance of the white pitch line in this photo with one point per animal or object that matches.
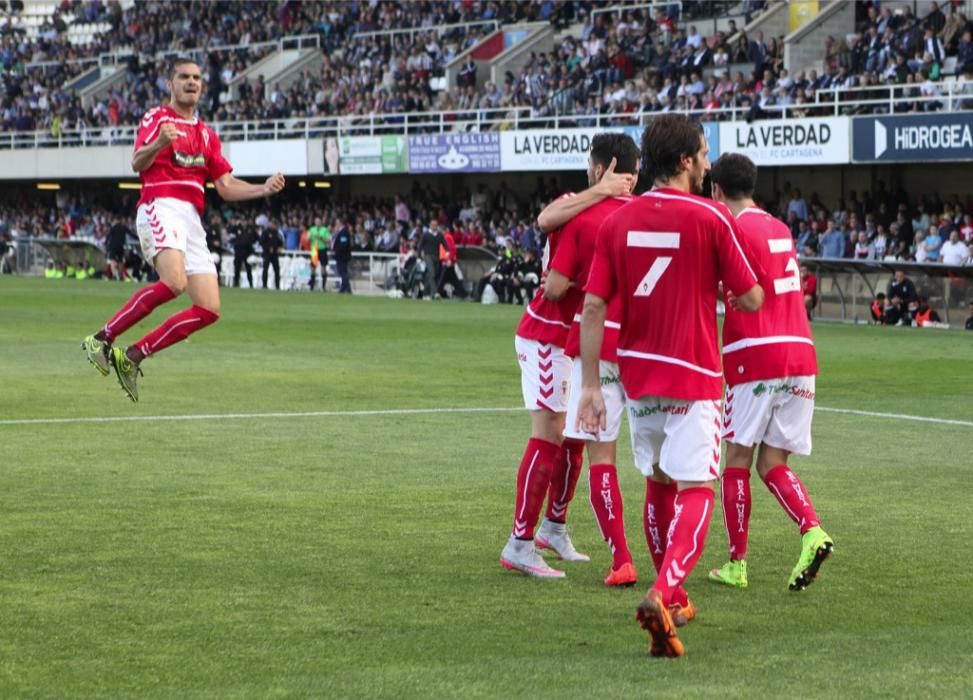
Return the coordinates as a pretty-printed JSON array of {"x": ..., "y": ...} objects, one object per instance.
[
  {"x": 897, "y": 416},
  {"x": 400, "y": 412},
  {"x": 244, "y": 416}
]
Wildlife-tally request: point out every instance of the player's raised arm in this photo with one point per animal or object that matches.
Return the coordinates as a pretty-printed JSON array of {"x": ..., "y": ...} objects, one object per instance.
[
  {"x": 563, "y": 209},
  {"x": 145, "y": 156},
  {"x": 233, "y": 189}
]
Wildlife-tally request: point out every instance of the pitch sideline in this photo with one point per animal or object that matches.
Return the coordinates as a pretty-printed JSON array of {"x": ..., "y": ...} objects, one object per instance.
[{"x": 398, "y": 412}]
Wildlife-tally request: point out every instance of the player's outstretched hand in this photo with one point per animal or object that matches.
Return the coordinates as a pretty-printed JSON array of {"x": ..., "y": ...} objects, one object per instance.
[
  {"x": 168, "y": 133},
  {"x": 613, "y": 184},
  {"x": 591, "y": 411},
  {"x": 275, "y": 183}
]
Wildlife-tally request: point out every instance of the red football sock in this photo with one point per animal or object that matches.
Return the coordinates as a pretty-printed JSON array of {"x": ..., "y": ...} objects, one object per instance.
[
  {"x": 735, "y": 494},
  {"x": 793, "y": 497},
  {"x": 656, "y": 517},
  {"x": 606, "y": 502},
  {"x": 687, "y": 536},
  {"x": 175, "y": 328},
  {"x": 533, "y": 479},
  {"x": 136, "y": 308},
  {"x": 564, "y": 479}
]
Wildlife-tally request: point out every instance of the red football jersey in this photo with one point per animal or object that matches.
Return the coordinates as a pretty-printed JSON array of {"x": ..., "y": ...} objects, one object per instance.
[
  {"x": 663, "y": 255},
  {"x": 549, "y": 321},
  {"x": 775, "y": 341},
  {"x": 582, "y": 247},
  {"x": 182, "y": 168}
]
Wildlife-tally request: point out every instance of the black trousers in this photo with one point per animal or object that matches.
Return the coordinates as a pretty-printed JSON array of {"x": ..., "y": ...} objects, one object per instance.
[
  {"x": 239, "y": 262},
  {"x": 272, "y": 261}
]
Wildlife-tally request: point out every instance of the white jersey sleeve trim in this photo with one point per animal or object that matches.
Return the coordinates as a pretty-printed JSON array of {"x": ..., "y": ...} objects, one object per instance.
[
  {"x": 534, "y": 315},
  {"x": 669, "y": 360},
  {"x": 608, "y": 324},
  {"x": 188, "y": 183},
  {"x": 744, "y": 343}
]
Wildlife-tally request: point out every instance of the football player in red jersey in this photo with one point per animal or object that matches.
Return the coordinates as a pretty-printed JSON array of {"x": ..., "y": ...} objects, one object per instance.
[
  {"x": 576, "y": 249},
  {"x": 175, "y": 155},
  {"x": 663, "y": 255},
  {"x": 770, "y": 366},
  {"x": 551, "y": 465}
]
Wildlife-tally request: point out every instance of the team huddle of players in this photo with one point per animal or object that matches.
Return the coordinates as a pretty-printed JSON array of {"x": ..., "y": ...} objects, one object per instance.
[{"x": 626, "y": 320}]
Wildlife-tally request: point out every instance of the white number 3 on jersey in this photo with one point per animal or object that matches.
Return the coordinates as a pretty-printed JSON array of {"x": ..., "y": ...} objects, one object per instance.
[{"x": 792, "y": 282}]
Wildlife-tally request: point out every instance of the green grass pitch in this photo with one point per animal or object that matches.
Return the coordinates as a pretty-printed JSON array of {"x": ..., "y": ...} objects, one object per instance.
[{"x": 355, "y": 556}]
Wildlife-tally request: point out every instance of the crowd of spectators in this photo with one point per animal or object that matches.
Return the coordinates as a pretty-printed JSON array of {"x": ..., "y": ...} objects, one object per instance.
[
  {"x": 370, "y": 74},
  {"x": 911, "y": 55},
  {"x": 868, "y": 226},
  {"x": 621, "y": 64},
  {"x": 879, "y": 226},
  {"x": 494, "y": 220}
]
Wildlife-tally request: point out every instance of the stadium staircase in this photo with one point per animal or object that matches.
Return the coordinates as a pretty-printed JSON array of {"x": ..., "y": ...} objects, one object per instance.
[
  {"x": 805, "y": 47},
  {"x": 284, "y": 66}
]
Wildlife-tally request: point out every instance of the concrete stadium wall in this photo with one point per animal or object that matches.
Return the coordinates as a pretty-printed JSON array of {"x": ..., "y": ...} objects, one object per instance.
[{"x": 296, "y": 157}]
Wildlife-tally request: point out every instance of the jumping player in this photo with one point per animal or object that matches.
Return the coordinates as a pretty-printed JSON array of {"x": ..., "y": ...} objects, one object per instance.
[{"x": 175, "y": 154}]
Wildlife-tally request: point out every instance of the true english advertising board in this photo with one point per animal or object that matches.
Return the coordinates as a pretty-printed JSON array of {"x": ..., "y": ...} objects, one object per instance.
[
  {"x": 821, "y": 141},
  {"x": 913, "y": 137},
  {"x": 468, "y": 152}
]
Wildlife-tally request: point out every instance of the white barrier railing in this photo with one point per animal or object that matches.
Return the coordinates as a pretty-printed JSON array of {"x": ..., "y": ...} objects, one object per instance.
[
  {"x": 955, "y": 95},
  {"x": 440, "y": 29}
]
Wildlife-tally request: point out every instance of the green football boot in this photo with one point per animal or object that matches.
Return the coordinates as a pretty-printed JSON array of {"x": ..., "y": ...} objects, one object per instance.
[
  {"x": 816, "y": 546},
  {"x": 97, "y": 352},
  {"x": 127, "y": 372},
  {"x": 733, "y": 573}
]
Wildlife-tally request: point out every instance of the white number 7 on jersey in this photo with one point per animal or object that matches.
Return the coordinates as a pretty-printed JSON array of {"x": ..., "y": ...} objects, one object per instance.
[{"x": 653, "y": 239}]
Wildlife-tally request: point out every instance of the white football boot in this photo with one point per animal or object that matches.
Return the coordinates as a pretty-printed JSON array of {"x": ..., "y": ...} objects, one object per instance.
[
  {"x": 520, "y": 555},
  {"x": 554, "y": 536}
]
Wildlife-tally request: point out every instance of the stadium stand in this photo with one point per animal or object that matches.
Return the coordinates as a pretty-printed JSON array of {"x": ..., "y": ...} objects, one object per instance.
[
  {"x": 79, "y": 65},
  {"x": 93, "y": 68}
]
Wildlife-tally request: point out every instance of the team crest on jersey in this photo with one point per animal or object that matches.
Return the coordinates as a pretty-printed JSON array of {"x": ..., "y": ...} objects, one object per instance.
[
  {"x": 189, "y": 160},
  {"x": 150, "y": 115},
  {"x": 206, "y": 137}
]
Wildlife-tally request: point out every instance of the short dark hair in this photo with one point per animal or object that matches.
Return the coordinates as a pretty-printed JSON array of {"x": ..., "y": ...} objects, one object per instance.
[
  {"x": 179, "y": 61},
  {"x": 735, "y": 174},
  {"x": 619, "y": 146},
  {"x": 666, "y": 141}
]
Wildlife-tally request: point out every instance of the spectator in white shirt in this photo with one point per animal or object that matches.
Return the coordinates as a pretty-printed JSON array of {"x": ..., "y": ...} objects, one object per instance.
[
  {"x": 954, "y": 251},
  {"x": 693, "y": 38}
]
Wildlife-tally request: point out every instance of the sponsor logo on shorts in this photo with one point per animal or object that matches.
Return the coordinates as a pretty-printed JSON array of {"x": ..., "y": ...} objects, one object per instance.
[
  {"x": 609, "y": 380},
  {"x": 669, "y": 408},
  {"x": 522, "y": 357},
  {"x": 783, "y": 388}
]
